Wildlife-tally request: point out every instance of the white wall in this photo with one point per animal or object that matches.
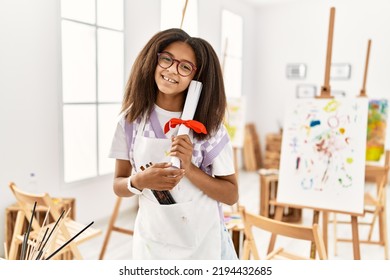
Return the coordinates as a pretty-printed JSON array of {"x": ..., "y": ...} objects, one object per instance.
[
  {"x": 29, "y": 96},
  {"x": 297, "y": 32}
]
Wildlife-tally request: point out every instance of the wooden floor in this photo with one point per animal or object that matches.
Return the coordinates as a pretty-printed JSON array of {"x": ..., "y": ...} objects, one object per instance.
[{"x": 120, "y": 245}]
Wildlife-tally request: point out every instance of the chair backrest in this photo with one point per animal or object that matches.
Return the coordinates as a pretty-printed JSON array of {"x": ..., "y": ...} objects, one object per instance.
[
  {"x": 26, "y": 201},
  {"x": 45, "y": 203},
  {"x": 308, "y": 233}
]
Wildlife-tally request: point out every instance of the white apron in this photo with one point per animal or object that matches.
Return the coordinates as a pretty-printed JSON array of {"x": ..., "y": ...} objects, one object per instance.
[{"x": 189, "y": 229}]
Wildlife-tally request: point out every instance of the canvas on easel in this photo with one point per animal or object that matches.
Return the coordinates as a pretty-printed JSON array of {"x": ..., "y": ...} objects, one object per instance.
[
  {"x": 376, "y": 129},
  {"x": 235, "y": 121},
  {"x": 323, "y": 155},
  {"x": 324, "y": 136}
]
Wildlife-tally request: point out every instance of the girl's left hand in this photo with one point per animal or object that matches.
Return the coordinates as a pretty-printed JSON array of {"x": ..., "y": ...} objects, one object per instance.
[{"x": 182, "y": 148}]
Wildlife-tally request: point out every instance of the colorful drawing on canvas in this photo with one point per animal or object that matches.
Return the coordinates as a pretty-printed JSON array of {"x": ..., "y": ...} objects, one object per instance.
[
  {"x": 376, "y": 129},
  {"x": 235, "y": 121},
  {"x": 323, "y": 154}
]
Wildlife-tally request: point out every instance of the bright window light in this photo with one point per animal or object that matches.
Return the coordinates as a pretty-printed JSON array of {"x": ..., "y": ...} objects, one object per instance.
[
  {"x": 232, "y": 26},
  {"x": 92, "y": 84}
]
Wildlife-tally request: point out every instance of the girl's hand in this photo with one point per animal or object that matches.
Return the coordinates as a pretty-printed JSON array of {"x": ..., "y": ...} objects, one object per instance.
[
  {"x": 158, "y": 177},
  {"x": 182, "y": 148}
]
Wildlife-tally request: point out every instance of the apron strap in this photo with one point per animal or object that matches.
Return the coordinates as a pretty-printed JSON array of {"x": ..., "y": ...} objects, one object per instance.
[
  {"x": 131, "y": 134},
  {"x": 155, "y": 124}
]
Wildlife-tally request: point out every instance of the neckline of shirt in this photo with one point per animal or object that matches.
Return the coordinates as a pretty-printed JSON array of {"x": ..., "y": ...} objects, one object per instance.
[{"x": 166, "y": 112}]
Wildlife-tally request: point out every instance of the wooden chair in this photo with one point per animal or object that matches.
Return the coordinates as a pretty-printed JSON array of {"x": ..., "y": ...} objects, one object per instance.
[
  {"x": 66, "y": 229},
  {"x": 299, "y": 232},
  {"x": 374, "y": 208}
]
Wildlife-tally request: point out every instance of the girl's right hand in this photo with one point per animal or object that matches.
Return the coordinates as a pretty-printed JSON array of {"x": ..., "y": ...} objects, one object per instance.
[{"x": 159, "y": 176}]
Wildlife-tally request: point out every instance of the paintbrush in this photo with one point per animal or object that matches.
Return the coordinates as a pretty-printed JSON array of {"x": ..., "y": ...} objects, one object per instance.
[
  {"x": 163, "y": 197},
  {"x": 27, "y": 235},
  {"x": 23, "y": 246},
  {"x": 41, "y": 251},
  {"x": 58, "y": 228},
  {"x": 67, "y": 242},
  {"x": 39, "y": 234}
]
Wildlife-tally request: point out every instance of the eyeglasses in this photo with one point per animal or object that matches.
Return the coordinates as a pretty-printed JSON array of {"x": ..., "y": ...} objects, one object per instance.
[{"x": 184, "y": 67}]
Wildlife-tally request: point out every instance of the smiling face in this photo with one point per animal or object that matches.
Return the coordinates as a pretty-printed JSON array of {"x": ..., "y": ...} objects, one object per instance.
[{"x": 171, "y": 86}]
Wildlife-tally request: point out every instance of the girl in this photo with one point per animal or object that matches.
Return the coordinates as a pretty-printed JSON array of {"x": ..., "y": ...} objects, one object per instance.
[{"x": 192, "y": 227}]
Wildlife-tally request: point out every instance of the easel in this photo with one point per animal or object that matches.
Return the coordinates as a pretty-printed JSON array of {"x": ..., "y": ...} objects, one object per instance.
[
  {"x": 325, "y": 93},
  {"x": 363, "y": 90},
  {"x": 112, "y": 227},
  {"x": 183, "y": 14},
  {"x": 380, "y": 173}
]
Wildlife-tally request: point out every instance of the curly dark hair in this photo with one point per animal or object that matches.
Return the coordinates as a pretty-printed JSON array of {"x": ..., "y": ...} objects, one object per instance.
[{"x": 141, "y": 89}]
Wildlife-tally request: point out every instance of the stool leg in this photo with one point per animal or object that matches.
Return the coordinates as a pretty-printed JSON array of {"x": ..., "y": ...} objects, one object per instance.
[{"x": 110, "y": 226}]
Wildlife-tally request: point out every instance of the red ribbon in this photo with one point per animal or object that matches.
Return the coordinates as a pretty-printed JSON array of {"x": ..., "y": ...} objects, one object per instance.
[{"x": 198, "y": 127}]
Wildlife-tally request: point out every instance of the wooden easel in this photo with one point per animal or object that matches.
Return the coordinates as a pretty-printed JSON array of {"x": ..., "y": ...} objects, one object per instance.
[
  {"x": 325, "y": 89},
  {"x": 183, "y": 14},
  {"x": 112, "y": 227},
  {"x": 380, "y": 173},
  {"x": 325, "y": 93},
  {"x": 363, "y": 90}
]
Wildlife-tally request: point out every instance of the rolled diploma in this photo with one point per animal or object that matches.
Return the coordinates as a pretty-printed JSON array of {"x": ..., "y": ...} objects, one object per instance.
[{"x": 189, "y": 109}]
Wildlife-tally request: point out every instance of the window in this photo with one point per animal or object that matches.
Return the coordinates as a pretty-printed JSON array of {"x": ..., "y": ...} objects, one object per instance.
[
  {"x": 232, "y": 26},
  {"x": 172, "y": 14},
  {"x": 92, "y": 84}
]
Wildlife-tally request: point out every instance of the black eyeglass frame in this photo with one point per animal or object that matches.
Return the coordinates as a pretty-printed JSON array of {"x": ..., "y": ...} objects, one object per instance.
[{"x": 177, "y": 65}]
